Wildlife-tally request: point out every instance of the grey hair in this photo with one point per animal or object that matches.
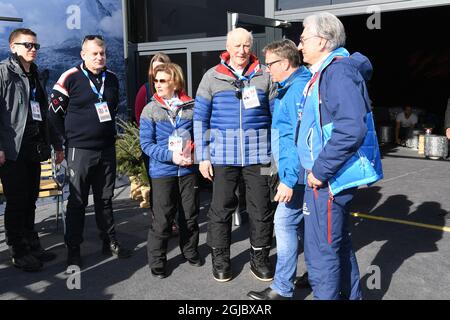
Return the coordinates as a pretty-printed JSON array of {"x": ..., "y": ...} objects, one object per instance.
[
  {"x": 327, "y": 26},
  {"x": 285, "y": 49},
  {"x": 231, "y": 33}
]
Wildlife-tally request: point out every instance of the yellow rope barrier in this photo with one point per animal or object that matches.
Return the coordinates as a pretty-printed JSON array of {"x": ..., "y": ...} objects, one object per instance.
[{"x": 411, "y": 223}]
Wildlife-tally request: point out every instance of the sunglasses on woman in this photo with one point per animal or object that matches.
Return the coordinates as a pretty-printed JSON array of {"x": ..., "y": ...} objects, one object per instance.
[{"x": 161, "y": 81}]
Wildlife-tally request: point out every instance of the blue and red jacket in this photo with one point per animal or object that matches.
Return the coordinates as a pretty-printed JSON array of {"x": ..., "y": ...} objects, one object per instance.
[
  {"x": 226, "y": 133},
  {"x": 337, "y": 139},
  {"x": 156, "y": 128}
]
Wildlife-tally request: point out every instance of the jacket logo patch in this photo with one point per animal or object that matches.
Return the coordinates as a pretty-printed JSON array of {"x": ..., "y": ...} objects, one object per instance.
[{"x": 305, "y": 209}]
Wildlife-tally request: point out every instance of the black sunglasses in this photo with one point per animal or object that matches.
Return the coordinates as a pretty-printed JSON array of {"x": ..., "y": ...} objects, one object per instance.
[
  {"x": 90, "y": 37},
  {"x": 29, "y": 45},
  {"x": 160, "y": 81}
]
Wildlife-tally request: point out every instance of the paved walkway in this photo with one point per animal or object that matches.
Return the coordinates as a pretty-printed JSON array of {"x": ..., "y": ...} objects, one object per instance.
[{"x": 403, "y": 232}]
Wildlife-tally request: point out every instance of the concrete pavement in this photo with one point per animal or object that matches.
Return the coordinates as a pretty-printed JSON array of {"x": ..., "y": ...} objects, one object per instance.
[{"x": 413, "y": 260}]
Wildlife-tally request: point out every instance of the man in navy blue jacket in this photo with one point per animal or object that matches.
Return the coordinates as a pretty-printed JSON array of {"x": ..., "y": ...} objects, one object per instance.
[{"x": 338, "y": 148}]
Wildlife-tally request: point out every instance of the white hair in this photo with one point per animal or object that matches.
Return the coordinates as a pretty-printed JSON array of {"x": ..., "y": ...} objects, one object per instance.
[
  {"x": 236, "y": 31},
  {"x": 327, "y": 26}
]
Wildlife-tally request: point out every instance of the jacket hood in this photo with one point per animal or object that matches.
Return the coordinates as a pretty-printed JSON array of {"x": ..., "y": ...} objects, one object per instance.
[{"x": 362, "y": 64}]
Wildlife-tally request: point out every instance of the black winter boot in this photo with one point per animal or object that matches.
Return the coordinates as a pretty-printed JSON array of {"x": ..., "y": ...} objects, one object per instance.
[
  {"x": 221, "y": 264},
  {"x": 116, "y": 249},
  {"x": 36, "y": 249},
  {"x": 23, "y": 260},
  {"x": 74, "y": 256},
  {"x": 260, "y": 265}
]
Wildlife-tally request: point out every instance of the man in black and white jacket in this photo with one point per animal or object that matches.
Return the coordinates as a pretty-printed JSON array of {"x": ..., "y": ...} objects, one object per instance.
[{"x": 82, "y": 114}]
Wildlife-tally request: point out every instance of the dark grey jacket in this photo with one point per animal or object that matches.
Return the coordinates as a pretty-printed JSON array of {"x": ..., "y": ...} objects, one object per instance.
[
  {"x": 14, "y": 105},
  {"x": 447, "y": 116}
]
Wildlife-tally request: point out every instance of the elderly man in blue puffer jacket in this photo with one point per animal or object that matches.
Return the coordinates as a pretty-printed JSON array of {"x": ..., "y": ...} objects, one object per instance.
[
  {"x": 232, "y": 117},
  {"x": 338, "y": 148}
]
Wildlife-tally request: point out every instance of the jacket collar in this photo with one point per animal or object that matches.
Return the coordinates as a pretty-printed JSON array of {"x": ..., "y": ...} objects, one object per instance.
[
  {"x": 284, "y": 85},
  {"x": 15, "y": 65},
  {"x": 224, "y": 67},
  {"x": 335, "y": 54},
  {"x": 182, "y": 96},
  {"x": 83, "y": 65}
]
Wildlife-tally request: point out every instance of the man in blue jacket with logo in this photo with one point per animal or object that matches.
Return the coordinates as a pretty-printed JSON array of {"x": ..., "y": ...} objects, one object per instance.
[
  {"x": 283, "y": 63},
  {"x": 338, "y": 148}
]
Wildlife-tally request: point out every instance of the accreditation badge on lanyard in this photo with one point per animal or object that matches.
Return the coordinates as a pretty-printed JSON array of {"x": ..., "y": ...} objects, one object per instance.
[
  {"x": 101, "y": 107},
  {"x": 175, "y": 141},
  {"x": 250, "y": 97},
  {"x": 103, "y": 112},
  {"x": 35, "y": 107}
]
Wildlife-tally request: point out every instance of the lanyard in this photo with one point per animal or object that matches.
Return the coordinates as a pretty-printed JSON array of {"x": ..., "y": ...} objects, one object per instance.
[
  {"x": 308, "y": 87},
  {"x": 33, "y": 91},
  {"x": 241, "y": 77},
  {"x": 93, "y": 87},
  {"x": 175, "y": 122},
  {"x": 33, "y": 94}
]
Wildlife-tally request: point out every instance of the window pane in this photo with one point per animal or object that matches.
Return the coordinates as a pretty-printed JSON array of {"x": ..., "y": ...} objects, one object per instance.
[
  {"x": 293, "y": 32},
  {"x": 298, "y": 4},
  {"x": 344, "y": 1},
  {"x": 162, "y": 20},
  {"x": 137, "y": 22},
  {"x": 201, "y": 62}
]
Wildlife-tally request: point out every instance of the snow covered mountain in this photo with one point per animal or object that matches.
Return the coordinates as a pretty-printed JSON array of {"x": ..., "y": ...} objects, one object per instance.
[{"x": 61, "y": 46}]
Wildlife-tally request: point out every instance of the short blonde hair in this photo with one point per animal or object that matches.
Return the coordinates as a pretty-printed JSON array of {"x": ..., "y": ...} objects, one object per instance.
[{"x": 176, "y": 75}]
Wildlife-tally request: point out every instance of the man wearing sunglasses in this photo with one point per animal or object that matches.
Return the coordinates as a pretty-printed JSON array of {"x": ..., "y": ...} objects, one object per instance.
[
  {"x": 23, "y": 132},
  {"x": 284, "y": 65},
  {"x": 82, "y": 114}
]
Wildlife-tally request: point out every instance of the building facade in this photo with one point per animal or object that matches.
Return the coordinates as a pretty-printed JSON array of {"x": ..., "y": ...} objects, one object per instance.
[{"x": 193, "y": 33}]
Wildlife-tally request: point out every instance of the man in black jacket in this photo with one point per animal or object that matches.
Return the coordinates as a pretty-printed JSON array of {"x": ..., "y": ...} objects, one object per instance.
[
  {"x": 23, "y": 144},
  {"x": 82, "y": 114}
]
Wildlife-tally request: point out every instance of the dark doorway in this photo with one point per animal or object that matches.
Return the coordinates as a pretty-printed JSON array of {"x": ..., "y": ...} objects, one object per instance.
[{"x": 410, "y": 56}]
